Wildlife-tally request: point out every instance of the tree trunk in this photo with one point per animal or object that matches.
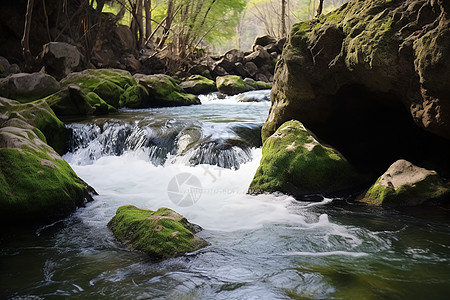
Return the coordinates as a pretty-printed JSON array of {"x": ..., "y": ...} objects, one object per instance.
[
  {"x": 283, "y": 18},
  {"x": 140, "y": 23},
  {"x": 319, "y": 9},
  {"x": 29, "y": 59},
  {"x": 148, "y": 18},
  {"x": 169, "y": 19}
]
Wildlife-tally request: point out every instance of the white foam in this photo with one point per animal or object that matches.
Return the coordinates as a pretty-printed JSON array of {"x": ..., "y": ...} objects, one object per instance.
[{"x": 222, "y": 205}]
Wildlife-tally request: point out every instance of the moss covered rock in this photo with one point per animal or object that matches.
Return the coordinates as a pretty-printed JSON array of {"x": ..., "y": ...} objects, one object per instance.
[
  {"x": 136, "y": 96},
  {"x": 405, "y": 184},
  {"x": 36, "y": 184},
  {"x": 160, "y": 234},
  {"x": 108, "y": 84},
  {"x": 72, "y": 100},
  {"x": 232, "y": 85},
  {"x": 163, "y": 91},
  {"x": 37, "y": 114},
  {"x": 197, "y": 84},
  {"x": 258, "y": 85},
  {"x": 294, "y": 162},
  {"x": 370, "y": 74},
  {"x": 25, "y": 87}
]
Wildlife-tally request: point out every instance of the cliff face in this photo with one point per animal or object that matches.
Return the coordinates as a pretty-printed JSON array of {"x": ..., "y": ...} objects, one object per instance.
[{"x": 371, "y": 79}]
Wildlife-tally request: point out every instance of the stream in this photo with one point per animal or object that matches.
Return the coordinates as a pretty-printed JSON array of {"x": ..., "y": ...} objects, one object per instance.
[{"x": 260, "y": 247}]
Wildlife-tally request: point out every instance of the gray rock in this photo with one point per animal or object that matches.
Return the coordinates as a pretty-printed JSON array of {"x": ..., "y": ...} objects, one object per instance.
[
  {"x": 405, "y": 184},
  {"x": 263, "y": 41},
  {"x": 60, "y": 59},
  {"x": 27, "y": 87}
]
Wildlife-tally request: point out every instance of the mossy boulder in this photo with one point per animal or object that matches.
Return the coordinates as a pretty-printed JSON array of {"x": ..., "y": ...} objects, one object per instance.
[
  {"x": 370, "y": 74},
  {"x": 25, "y": 87},
  {"x": 258, "y": 85},
  {"x": 160, "y": 234},
  {"x": 36, "y": 184},
  {"x": 197, "y": 84},
  {"x": 232, "y": 85},
  {"x": 405, "y": 184},
  {"x": 294, "y": 162},
  {"x": 136, "y": 96},
  {"x": 163, "y": 91},
  {"x": 108, "y": 84},
  {"x": 72, "y": 100},
  {"x": 39, "y": 115}
]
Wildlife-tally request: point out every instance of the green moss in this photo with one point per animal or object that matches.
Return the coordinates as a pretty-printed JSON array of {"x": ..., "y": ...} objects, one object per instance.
[
  {"x": 197, "y": 84},
  {"x": 232, "y": 85},
  {"x": 160, "y": 234},
  {"x": 70, "y": 101},
  {"x": 100, "y": 106},
  {"x": 164, "y": 91},
  {"x": 429, "y": 189},
  {"x": 108, "y": 84},
  {"x": 40, "y": 115},
  {"x": 294, "y": 162},
  {"x": 135, "y": 96},
  {"x": 258, "y": 85},
  {"x": 36, "y": 186}
]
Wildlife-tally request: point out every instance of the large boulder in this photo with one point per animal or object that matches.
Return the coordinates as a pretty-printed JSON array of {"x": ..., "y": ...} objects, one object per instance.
[
  {"x": 294, "y": 162},
  {"x": 162, "y": 91},
  {"x": 36, "y": 184},
  {"x": 197, "y": 84},
  {"x": 25, "y": 87},
  {"x": 372, "y": 79},
  {"x": 60, "y": 59},
  {"x": 107, "y": 84},
  {"x": 41, "y": 118},
  {"x": 405, "y": 184},
  {"x": 160, "y": 234}
]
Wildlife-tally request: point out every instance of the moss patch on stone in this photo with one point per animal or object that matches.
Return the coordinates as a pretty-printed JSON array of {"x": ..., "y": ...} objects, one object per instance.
[
  {"x": 294, "y": 162},
  {"x": 421, "y": 186},
  {"x": 39, "y": 115},
  {"x": 164, "y": 91},
  {"x": 135, "y": 96},
  {"x": 160, "y": 234},
  {"x": 36, "y": 184},
  {"x": 108, "y": 84},
  {"x": 232, "y": 85},
  {"x": 258, "y": 85},
  {"x": 197, "y": 84}
]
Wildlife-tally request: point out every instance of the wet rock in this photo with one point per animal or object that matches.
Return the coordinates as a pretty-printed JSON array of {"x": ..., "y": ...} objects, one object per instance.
[
  {"x": 160, "y": 234},
  {"x": 36, "y": 184},
  {"x": 163, "y": 91},
  {"x": 197, "y": 84},
  {"x": 405, "y": 184},
  {"x": 109, "y": 85},
  {"x": 232, "y": 85},
  {"x": 294, "y": 162},
  {"x": 258, "y": 85}
]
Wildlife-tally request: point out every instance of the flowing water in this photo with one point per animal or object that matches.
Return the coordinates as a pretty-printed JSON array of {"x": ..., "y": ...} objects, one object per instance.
[{"x": 260, "y": 247}]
